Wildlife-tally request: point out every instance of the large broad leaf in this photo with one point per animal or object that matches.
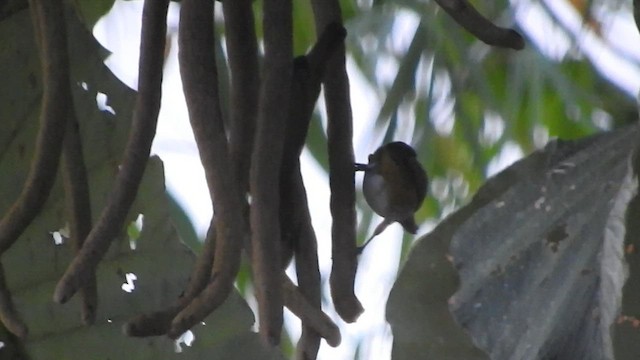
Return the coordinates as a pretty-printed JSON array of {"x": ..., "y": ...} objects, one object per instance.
[
  {"x": 539, "y": 252},
  {"x": 160, "y": 262}
]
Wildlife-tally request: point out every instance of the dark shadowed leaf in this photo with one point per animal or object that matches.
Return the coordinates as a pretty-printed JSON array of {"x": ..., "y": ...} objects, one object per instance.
[
  {"x": 541, "y": 263},
  {"x": 539, "y": 255},
  {"x": 626, "y": 332}
]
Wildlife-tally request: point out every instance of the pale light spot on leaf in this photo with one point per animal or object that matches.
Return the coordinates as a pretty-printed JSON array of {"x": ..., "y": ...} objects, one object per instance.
[
  {"x": 129, "y": 286},
  {"x": 134, "y": 230},
  {"x": 101, "y": 101},
  {"x": 60, "y": 235},
  {"x": 57, "y": 237},
  {"x": 187, "y": 338}
]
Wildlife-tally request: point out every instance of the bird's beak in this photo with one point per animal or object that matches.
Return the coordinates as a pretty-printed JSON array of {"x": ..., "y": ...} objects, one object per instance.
[{"x": 361, "y": 167}]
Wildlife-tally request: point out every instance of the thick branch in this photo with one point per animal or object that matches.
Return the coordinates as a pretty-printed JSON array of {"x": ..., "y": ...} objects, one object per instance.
[
  {"x": 200, "y": 85},
  {"x": 76, "y": 188},
  {"x": 265, "y": 165},
  {"x": 145, "y": 117},
  {"x": 470, "y": 19},
  {"x": 51, "y": 35},
  {"x": 242, "y": 49},
  {"x": 341, "y": 175}
]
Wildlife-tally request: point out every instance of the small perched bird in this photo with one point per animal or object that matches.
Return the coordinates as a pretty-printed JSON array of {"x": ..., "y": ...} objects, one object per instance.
[{"x": 395, "y": 184}]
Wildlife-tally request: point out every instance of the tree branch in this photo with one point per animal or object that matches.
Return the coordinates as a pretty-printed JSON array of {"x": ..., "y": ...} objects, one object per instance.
[
  {"x": 469, "y": 18},
  {"x": 200, "y": 84},
  {"x": 51, "y": 36},
  {"x": 145, "y": 117},
  {"x": 341, "y": 174}
]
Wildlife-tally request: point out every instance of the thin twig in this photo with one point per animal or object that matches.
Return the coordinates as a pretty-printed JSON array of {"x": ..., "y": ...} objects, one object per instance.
[
  {"x": 200, "y": 85},
  {"x": 405, "y": 78},
  {"x": 145, "y": 117},
  {"x": 265, "y": 165},
  {"x": 76, "y": 188},
  {"x": 242, "y": 49},
  {"x": 309, "y": 314},
  {"x": 341, "y": 174},
  {"x": 469, "y": 18},
  {"x": 51, "y": 35}
]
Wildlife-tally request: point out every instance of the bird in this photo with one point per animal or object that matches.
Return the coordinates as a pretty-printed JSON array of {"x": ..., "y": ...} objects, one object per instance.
[{"x": 394, "y": 186}]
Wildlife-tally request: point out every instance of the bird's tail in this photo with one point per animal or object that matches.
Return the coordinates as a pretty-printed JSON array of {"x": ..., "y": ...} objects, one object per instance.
[{"x": 409, "y": 224}]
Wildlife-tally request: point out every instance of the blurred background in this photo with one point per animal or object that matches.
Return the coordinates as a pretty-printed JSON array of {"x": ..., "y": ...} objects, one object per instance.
[{"x": 416, "y": 76}]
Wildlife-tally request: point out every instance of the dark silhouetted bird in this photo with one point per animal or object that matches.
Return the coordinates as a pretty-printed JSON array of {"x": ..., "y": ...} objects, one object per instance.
[{"x": 395, "y": 184}]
